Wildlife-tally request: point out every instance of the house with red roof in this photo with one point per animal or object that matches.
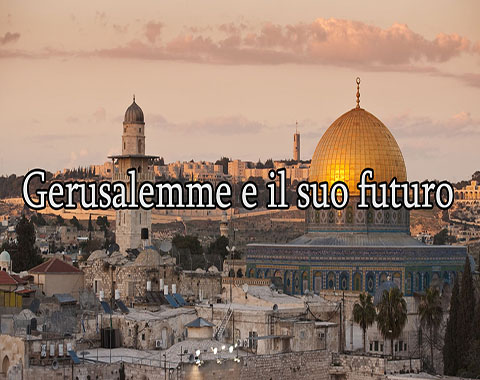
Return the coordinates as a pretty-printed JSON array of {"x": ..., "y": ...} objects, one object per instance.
[
  {"x": 7, "y": 281},
  {"x": 57, "y": 276}
]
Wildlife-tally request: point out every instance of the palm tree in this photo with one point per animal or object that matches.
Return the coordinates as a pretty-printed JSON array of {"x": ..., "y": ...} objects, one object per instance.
[
  {"x": 392, "y": 315},
  {"x": 364, "y": 314},
  {"x": 431, "y": 314}
]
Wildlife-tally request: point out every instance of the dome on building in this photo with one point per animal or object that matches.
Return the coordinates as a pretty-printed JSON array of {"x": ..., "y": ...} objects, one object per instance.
[
  {"x": 98, "y": 254},
  {"x": 149, "y": 257},
  {"x": 134, "y": 114},
  {"x": 387, "y": 285},
  {"x": 5, "y": 257},
  {"x": 355, "y": 141}
]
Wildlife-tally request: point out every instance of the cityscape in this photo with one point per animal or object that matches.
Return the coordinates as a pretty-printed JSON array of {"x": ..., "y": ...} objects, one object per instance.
[{"x": 239, "y": 292}]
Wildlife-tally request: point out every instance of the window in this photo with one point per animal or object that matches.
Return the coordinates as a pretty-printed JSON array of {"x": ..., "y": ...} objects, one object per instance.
[
  {"x": 252, "y": 342},
  {"x": 376, "y": 345},
  {"x": 371, "y": 346},
  {"x": 143, "y": 336},
  {"x": 381, "y": 347},
  {"x": 139, "y": 130}
]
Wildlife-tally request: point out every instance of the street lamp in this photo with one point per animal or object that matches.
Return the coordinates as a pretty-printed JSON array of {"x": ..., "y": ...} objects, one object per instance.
[{"x": 231, "y": 251}]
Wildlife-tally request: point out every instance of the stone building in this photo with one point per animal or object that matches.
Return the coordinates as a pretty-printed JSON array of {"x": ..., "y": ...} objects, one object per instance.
[
  {"x": 268, "y": 322},
  {"x": 131, "y": 224},
  {"x": 469, "y": 194},
  {"x": 57, "y": 276},
  {"x": 135, "y": 278}
]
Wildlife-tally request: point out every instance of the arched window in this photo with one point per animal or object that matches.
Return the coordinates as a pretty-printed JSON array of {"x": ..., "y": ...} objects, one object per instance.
[
  {"x": 344, "y": 281},
  {"x": 357, "y": 282},
  {"x": 317, "y": 282},
  {"x": 370, "y": 282},
  {"x": 139, "y": 146},
  {"x": 331, "y": 280},
  {"x": 409, "y": 284}
]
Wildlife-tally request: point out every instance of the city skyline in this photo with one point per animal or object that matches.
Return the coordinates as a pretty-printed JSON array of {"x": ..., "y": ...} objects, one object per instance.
[{"x": 234, "y": 81}]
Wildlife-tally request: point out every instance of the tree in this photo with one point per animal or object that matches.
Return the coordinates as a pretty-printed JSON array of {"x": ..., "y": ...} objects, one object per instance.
[
  {"x": 364, "y": 314},
  {"x": 269, "y": 164},
  {"x": 188, "y": 242},
  {"x": 466, "y": 313},
  {"x": 59, "y": 221},
  {"x": 27, "y": 254},
  {"x": 103, "y": 223},
  {"x": 431, "y": 313},
  {"x": 218, "y": 247},
  {"x": 38, "y": 219},
  {"x": 90, "y": 224},
  {"x": 392, "y": 314},
  {"x": 451, "y": 348},
  {"x": 74, "y": 222}
]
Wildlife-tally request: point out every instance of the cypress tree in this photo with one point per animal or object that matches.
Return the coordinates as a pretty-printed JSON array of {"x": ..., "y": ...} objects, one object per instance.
[
  {"x": 27, "y": 255},
  {"x": 466, "y": 314},
  {"x": 450, "y": 348}
]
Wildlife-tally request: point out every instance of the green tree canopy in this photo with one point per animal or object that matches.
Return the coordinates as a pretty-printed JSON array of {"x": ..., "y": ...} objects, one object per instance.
[
  {"x": 431, "y": 315},
  {"x": 188, "y": 242},
  {"x": 75, "y": 223},
  {"x": 59, "y": 221},
  {"x": 451, "y": 348},
  {"x": 103, "y": 223},
  {"x": 392, "y": 315},
  {"x": 218, "y": 247},
  {"x": 364, "y": 314},
  {"x": 27, "y": 255}
]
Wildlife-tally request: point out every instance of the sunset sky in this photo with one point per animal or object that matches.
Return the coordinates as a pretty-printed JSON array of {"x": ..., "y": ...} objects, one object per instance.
[{"x": 218, "y": 77}]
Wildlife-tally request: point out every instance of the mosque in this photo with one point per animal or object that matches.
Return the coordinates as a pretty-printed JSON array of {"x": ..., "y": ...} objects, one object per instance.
[{"x": 355, "y": 249}]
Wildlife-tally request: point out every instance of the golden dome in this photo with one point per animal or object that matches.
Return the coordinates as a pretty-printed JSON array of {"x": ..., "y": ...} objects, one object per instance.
[{"x": 355, "y": 141}]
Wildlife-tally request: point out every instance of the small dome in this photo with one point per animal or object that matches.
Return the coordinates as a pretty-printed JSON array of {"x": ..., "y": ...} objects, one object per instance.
[
  {"x": 98, "y": 254},
  {"x": 134, "y": 114},
  {"x": 149, "y": 257},
  {"x": 5, "y": 257},
  {"x": 213, "y": 269},
  {"x": 387, "y": 285}
]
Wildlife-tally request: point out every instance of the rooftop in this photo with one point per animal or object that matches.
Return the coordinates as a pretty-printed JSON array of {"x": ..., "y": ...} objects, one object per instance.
[{"x": 55, "y": 265}]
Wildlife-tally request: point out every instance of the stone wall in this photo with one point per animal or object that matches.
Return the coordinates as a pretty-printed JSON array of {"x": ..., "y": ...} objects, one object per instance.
[
  {"x": 307, "y": 365},
  {"x": 67, "y": 371}
]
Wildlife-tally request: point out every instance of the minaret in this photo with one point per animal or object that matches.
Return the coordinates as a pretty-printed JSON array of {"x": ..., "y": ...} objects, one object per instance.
[
  {"x": 133, "y": 227},
  {"x": 296, "y": 144}
]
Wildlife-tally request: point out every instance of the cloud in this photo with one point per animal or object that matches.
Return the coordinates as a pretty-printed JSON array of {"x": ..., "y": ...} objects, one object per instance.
[
  {"x": 153, "y": 30},
  {"x": 9, "y": 38},
  {"x": 323, "y": 41}
]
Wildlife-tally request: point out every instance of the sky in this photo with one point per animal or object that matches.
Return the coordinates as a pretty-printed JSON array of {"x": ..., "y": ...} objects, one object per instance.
[{"x": 230, "y": 78}]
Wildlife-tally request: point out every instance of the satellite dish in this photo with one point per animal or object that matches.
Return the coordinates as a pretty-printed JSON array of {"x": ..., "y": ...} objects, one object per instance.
[
  {"x": 55, "y": 365},
  {"x": 166, "y": 246},
  {"x": 245, "y": 288},
  {"x": 275, "y": 307}
]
